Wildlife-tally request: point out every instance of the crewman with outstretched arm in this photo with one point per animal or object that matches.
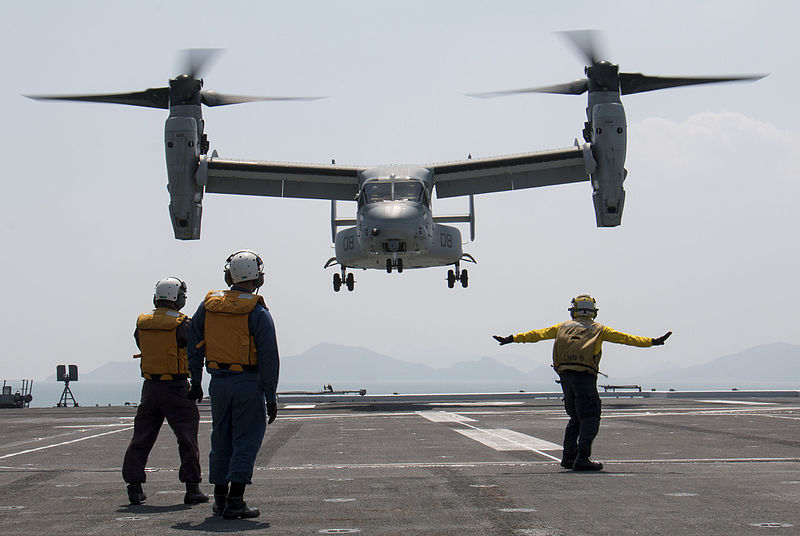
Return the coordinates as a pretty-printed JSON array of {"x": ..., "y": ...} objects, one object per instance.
[
  {"x": 233, "y": 331},
  {"x": 576, "y": 359},
  {"x": 161, "y": 335}
]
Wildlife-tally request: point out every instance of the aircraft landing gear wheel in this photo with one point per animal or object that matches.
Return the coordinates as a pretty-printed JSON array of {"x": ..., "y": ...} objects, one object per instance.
[
  {"x": 388, "y": 266},
  {"x": 399, "y": 266},
  {"x": 451, "y": 279},
  {"x": 464, "y": 278},
  {"x": 337, "y": 282},
  {"x": 351, "y": 282}
]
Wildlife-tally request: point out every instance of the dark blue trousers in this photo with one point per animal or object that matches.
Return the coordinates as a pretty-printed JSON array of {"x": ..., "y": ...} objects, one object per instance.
[
  {"x": 583, "y": 407},
  {"x": 239, "y": 420}
]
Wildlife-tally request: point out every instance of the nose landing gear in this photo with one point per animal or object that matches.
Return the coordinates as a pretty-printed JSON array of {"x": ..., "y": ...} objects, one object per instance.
[{"x": 394, "y": 262}]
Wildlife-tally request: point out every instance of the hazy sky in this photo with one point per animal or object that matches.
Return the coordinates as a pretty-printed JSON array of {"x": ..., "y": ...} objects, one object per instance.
[{"x": 708, "y": 247}]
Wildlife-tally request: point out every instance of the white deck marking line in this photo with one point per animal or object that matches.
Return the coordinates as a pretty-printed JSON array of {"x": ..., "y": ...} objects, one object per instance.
[
  {"x": 478, "y": 404},
  {"x": 444, "y": 416},
  {"x": 299, "y": 406},
  {"x": 428, "y": 465},
  {"x": 750, "y": 411},
  {"x": 777, "y": 416},
  {"x": 93, "y": 425},
  {"x": 504, "y": 439},
  {"x": 500, "y": 439},
  {"x": 505, "y": 436},
  {"x": 64, "y": 443},
  {"x": 741, "y": 402}
]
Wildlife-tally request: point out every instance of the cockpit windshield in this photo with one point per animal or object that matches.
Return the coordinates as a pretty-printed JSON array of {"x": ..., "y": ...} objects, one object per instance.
[
  {"x": 407, "y": 191},
  {"x": 378, "y": 191},
  {"x": 393, "y": 191}
]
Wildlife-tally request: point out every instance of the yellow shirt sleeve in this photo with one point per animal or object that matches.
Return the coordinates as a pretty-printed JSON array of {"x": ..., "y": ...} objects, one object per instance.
[
  {"x": 612, "y": 335},
  {"x": 537, "y": 335}
]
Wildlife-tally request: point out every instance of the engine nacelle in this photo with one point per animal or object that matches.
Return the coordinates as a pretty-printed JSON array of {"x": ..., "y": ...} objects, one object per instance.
[
  {"x": 609, "y": 140},
  {"x": 182, "y": 148}
]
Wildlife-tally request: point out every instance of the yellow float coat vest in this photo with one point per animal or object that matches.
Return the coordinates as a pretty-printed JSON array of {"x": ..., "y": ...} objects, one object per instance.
[
  {"x": 574, "y": 347},
  {"x": 229, "y": 344},
  {"x": 161, "y": 357}
]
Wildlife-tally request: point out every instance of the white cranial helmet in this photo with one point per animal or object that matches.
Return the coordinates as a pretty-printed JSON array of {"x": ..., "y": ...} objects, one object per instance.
[
  {"x": 242, "y": 266},
  {"x": 170, "y": 289}
]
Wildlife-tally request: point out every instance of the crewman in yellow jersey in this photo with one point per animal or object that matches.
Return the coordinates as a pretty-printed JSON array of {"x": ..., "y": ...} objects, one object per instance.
[
  {"x": 162, "y": 335},
  {"x": 234, "y": 333},
  {"x": 576, "y": 359}
]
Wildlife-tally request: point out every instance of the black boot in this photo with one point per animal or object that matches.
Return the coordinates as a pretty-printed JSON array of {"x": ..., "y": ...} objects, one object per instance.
[
  {"x": 220, "y": 498},
  {"x": 193, "y": 494},
  {"x": 235, "y": 507},
  {"x": 219, "y": 504},
  {"x": 567, "y": 463},
  {"x": 585, "y": 464},
  {"x": 136, "y": 494}
]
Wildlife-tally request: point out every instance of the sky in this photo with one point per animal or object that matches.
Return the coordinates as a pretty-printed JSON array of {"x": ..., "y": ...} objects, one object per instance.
[{"x": 708, "y": 247}]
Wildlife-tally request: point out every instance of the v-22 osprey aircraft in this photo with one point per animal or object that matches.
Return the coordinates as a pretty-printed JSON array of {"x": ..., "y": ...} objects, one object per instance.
[{"x": 394, "y": 227}]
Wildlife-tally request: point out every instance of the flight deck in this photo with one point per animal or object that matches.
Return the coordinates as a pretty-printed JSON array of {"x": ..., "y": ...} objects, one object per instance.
[{"x": 702, "y": 464}]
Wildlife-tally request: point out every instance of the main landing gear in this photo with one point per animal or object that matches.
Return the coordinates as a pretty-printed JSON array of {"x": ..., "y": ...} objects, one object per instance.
[
  {"x": 462, "y": 277},
  {"x": 348, "y": 280},
  {"x": 344, "y": 279}
]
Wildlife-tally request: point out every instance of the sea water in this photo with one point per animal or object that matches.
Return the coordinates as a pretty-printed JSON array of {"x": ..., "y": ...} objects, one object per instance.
[{"x": 48, "y": 394}]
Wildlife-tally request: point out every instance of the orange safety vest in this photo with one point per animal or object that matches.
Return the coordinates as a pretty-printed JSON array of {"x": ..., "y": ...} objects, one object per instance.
[
  {"x": 229, "y": 344},
  {"x": 161, "y": 357},
  {"x": 574, "y": 347}
]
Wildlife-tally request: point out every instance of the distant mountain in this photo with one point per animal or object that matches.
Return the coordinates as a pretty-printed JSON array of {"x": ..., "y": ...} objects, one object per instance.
[
  {"x": 777, "y": 363},
  {"x": 333, "y": 363},
  {"x": 329, "y": 363}
]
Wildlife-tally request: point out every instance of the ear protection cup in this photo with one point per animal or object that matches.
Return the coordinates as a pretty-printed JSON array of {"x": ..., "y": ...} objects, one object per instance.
[
  {"x": 181, "y": 301},
  {"x": 227, "y": 271}
]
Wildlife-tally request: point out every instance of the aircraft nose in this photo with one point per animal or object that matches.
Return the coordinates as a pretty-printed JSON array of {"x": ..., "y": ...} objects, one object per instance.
[
  {"x": 395, "y": 222},
  {"x": 394, "y": 215},
  {"x": 398, "y": 212}
]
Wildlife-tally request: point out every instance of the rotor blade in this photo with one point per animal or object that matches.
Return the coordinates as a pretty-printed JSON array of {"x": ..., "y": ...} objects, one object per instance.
[
  {"x": 151, "y": 98},
  {"x": 212, "y": 98},
  {"x": 639, "y": 83},
  {"x": 570, "y": 88},
  {"x": 586, "y": 43},
  {"x": 195, "y": 59}
]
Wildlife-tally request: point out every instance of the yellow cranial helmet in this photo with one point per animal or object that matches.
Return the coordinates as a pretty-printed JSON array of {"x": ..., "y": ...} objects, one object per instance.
[{"x": 583, "y": 305}]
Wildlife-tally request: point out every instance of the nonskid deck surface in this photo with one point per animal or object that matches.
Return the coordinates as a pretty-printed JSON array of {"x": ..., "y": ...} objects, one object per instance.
[{"x": 672, "y": 466}]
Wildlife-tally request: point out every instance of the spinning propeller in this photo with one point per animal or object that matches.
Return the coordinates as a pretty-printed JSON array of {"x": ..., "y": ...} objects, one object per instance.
[
  {"x": 184, "y": 89},
  {"x": 602, "y": 75}
]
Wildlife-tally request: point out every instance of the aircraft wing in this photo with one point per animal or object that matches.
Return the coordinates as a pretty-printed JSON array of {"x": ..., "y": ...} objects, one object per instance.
[
  {"x": 497, "y": 174},
  {"x": 277, "y": 179}
]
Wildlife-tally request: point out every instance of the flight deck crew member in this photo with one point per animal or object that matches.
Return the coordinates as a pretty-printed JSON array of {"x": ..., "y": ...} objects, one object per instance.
[
  {"x": 233, "y": 331},
  {"x": 576, "y": 359},
  {"x": 162, "y": 335}
]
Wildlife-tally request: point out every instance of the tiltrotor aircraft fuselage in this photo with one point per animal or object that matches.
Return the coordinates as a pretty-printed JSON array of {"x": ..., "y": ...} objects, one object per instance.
[{"x": 395, "y": 228}]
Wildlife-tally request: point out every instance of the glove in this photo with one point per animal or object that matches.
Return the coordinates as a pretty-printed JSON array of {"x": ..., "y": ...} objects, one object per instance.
[
  {"x": 660, "y": 340},
  {"x": 503, "y": 340},
  {"x": 196, "y": 392},
  {"x": 272, "y": 411}
]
